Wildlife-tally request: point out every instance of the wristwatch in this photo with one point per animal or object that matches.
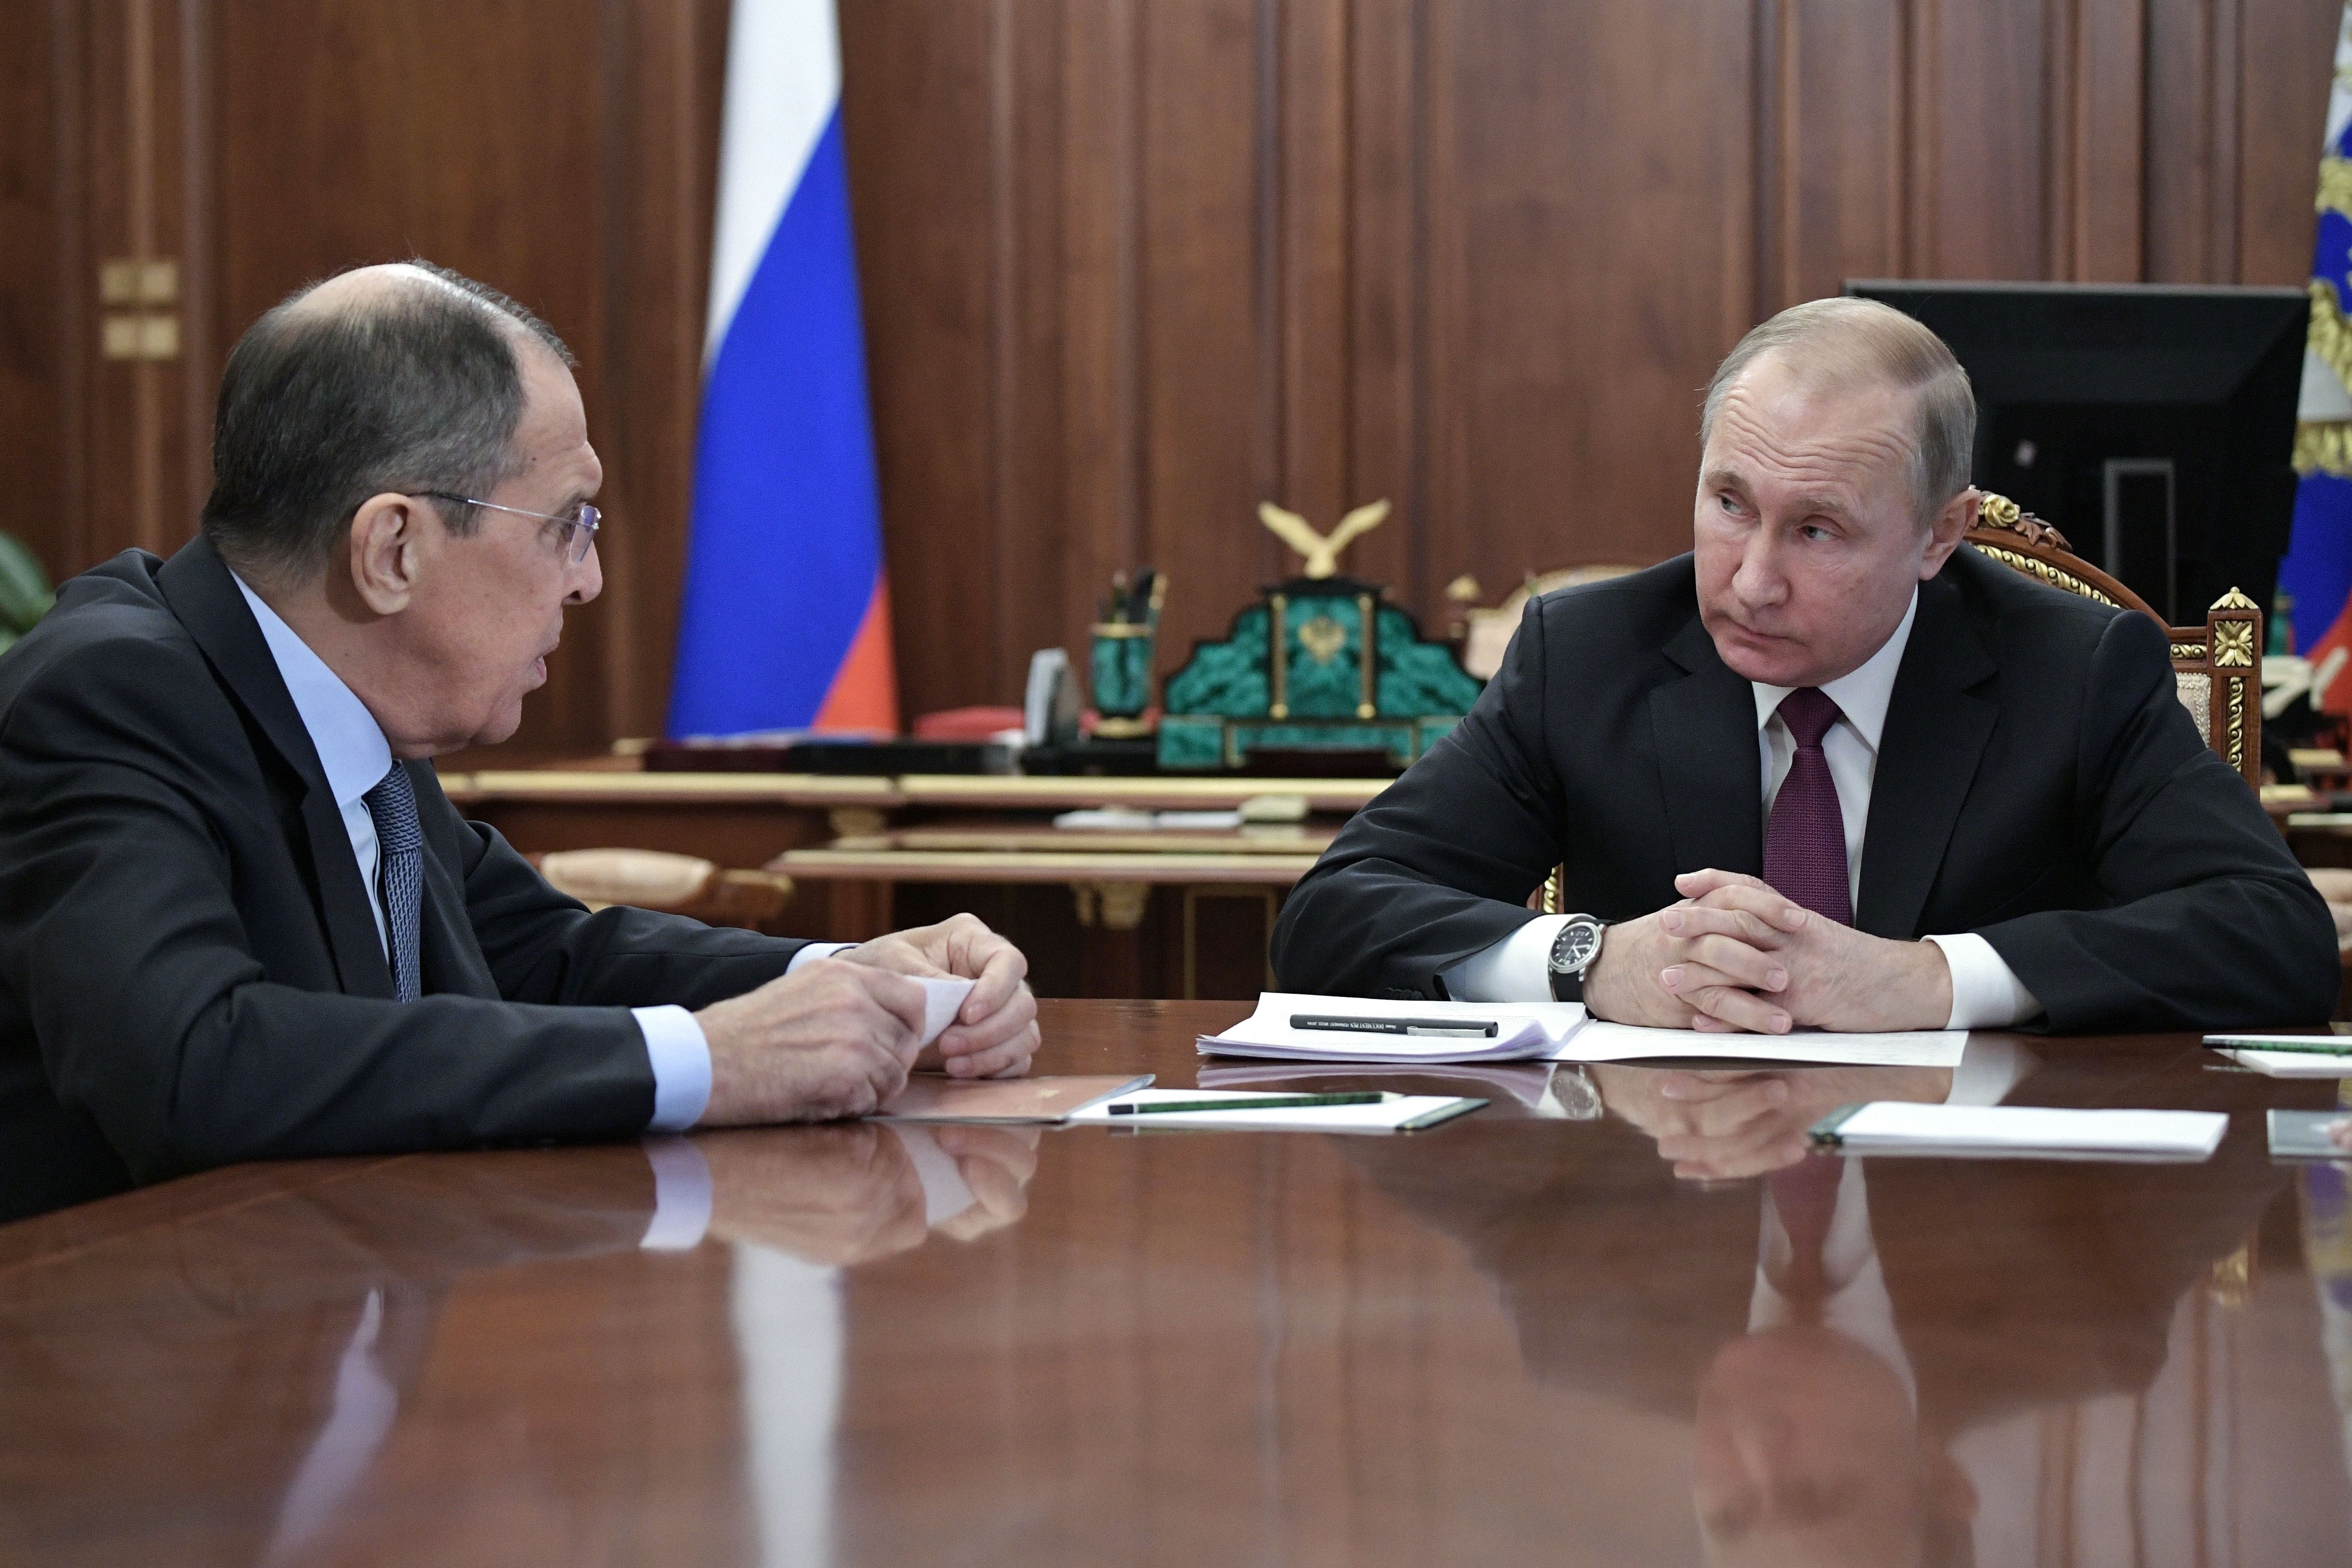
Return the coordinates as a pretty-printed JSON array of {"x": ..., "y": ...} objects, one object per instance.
[{"x": 1572, "y": 952}]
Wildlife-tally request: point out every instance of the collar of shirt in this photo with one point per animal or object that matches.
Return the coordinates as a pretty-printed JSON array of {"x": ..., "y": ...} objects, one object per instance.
[
  {"x": 350, "y": 743},
  {"x": 1862, "y": 695}
]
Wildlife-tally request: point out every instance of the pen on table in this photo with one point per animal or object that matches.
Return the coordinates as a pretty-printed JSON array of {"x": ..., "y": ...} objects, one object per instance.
[
  {"x": 1444, "y": 1029},
  {"x": 2316, "y": 1046},
  {"x": 1257, "y": 1102}
]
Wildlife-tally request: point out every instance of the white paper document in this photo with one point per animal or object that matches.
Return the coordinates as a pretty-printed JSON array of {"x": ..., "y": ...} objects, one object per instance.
[
  {"x": 1604, "y": 1042},
  {"x": 1523, "y": 1030},
  {"x": 2022, "y": 1132},
  {"x": 942, "y": 998},
  {"x": 1544, "y": 1031},
  {"x": 1393, "y": 1113},
  {"x": 2293, "y": 1064},
  {"x": 2288, "y": 1056}
]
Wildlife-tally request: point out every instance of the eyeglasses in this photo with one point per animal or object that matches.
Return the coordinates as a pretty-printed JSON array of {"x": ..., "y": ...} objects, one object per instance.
[{"x": 579, "y": 530}]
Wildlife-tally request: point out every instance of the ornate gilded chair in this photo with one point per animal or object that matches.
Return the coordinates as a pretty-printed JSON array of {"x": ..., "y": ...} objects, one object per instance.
[{"x": 2217, "y": 668}]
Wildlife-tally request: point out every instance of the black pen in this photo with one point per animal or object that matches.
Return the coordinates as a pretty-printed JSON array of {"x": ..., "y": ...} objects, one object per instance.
[
  {"x": 1255, "y": 1103},
  {"x": 1444, "y": 1029}
]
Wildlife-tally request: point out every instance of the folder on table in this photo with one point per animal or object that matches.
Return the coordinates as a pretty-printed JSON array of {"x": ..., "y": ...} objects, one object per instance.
[
  {"x": 2302, "y": 1136},
  {"x": 1394, "y": 1113},
  {"x": 928, "y": 1097},
  {"x": 2019, "y": 1132},
  {"x": 2288, "y": 1056}
]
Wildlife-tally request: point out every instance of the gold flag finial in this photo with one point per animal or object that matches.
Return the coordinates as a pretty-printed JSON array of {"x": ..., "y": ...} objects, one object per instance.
[{"x": 1321, "y": 552}]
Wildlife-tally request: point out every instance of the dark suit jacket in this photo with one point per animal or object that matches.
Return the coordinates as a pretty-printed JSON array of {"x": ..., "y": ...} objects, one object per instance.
[
  {"x": 190, "y": 972},
  {"x": 2038, "y": 783}
]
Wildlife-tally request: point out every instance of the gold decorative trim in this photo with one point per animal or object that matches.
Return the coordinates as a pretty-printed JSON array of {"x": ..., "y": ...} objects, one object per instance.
[
  {"x": 2234, "y": 645},
  {"x": 1999, "y": 511},
  {"x": 1322, "y": 638},
  {"x": 2046, "y": 572},
  {"x": 2234, "y": 600},
  {"x": 2335, "y": 186},
  {"x": 2188, "y": 650},
  {"x": 2238, "y": 723},
  {"x": 1368, "y": 625},
  {"x": 1277, "y": 646},
  {"x": 2323, "y": 447},
  {"x": 2331, "y": 335},
  {"x": 1121, "y": 729}
]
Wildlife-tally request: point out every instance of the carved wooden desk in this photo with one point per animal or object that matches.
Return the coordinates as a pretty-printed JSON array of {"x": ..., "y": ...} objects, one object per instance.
[
  {"x": 1517, "y": 1338},
  {"x": 1171, "y": 914}
]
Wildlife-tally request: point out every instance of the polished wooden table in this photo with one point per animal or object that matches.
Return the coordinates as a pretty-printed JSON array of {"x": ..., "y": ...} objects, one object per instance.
[{"x": 1520, "y": 1337}]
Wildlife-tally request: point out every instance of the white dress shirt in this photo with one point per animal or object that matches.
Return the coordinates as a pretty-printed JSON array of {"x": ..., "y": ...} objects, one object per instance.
[
  {"x": 355, "y": 756},
  {"x": 1986, "y": 993}
]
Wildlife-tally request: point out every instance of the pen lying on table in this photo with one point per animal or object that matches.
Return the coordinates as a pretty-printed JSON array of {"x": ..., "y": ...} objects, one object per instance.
[
  {"x": 1255, "y": 1103},
  {"x": 1442, "y": 1028}
]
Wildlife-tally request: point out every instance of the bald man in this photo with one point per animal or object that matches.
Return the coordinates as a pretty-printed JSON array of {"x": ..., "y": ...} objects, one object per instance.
[
  {"x": 1833, "y": 768},
  {"x": 238, "y": 917}
]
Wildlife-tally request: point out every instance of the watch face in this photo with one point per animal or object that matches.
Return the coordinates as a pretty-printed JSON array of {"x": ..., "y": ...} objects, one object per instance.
[{"x": 1574, "y": 947}]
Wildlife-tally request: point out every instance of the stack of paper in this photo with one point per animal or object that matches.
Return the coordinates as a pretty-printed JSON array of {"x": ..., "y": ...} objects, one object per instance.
[
  {"x": 1392, "y": 1113},
  {"x": 2020, "y": 1131},
  {"x": 1539, "y": 1031},
  {"x": 1285, "y": 1027},
  {"x": 2288, "y": 1056},
  {"x": 1601, "y": 1042}
]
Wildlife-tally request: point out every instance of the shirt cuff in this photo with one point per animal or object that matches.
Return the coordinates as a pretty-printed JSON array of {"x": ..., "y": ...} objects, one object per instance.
[
  {"x": 1986, "y": 993},
  {"x": 817, "y": 949},
  {"x": 1516, "y": 969},
  {"x": 681, "y": 1063},
  {"x": 681, "y": 1195}
]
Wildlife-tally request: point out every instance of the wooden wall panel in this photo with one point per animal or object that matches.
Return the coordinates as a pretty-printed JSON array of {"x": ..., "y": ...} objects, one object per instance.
[
  {"x": 37, "y": 361},
  {"x": 1129, "y": 266}
]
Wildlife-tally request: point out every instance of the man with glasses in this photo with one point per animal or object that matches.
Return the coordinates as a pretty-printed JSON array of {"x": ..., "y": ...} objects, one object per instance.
[{"x": 238, "y": 917}]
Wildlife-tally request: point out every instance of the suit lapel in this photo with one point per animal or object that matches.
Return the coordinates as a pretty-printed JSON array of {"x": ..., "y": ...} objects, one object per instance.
[
  {"x": 203, "y": 595},
  {"x": 1710, "y": 771},
  {"x": 1934, "y": 736}
]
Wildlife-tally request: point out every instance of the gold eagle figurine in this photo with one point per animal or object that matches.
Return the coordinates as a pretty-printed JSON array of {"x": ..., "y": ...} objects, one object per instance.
[{"x": 1321, "y": 554}]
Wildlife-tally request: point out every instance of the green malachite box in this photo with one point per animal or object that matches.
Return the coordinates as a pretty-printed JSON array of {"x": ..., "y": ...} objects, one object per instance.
[{"x": 1319, "y": 661}]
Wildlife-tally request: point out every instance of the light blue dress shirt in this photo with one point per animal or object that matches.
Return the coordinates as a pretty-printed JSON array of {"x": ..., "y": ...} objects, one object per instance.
[{"x": 355, "y": 755}]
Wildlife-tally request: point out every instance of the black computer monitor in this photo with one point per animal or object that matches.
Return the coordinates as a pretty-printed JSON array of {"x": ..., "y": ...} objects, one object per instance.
[{"x": 2152, "y": 424}]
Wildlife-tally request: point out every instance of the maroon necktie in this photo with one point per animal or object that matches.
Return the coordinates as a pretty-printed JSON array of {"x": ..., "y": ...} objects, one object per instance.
[
  {"x": 1804, "y": 844},
  {"x": 1805, "y": 1197}
]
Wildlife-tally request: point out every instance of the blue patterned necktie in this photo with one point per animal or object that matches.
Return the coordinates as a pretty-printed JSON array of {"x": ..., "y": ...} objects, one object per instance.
[{"x": 400, "y": 845}]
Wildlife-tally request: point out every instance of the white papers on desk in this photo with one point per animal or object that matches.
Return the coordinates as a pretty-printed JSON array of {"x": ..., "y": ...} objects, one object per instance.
[
  {"x": 1523, "y": 1030},
  {"x": 1396, "y": 1113},
  {"x": 2022, "y": 1132},
  {"x": 2293, "y": 1064},
  {"x": 1604, "y": 1042},
  {"x": 2288, "y": 1056},
  {"x": 1550, "y": 1031}
]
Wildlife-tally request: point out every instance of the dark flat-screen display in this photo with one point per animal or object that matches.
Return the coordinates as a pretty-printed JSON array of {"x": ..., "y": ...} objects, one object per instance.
[{"x": 2152, "y": 424}]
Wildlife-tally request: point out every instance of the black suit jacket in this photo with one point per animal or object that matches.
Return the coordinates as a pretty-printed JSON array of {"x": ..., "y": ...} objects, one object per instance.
[
  {"x": 190, "y": 972},
  {"x": 2038, "y": 783}
]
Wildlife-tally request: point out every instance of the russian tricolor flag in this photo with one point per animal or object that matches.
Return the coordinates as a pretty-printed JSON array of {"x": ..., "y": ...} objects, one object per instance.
[{"x": 787, "y": 619}]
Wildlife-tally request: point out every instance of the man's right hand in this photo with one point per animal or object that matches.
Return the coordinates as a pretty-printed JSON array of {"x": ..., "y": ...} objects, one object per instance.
[
  {"x": 829, "y": 1040},
  {"x": 1623, "y": 984}
]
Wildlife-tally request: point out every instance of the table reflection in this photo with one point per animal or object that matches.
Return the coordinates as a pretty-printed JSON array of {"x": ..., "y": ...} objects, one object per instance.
[
  {"x": 255, "y": 1362},
  {"x": 1869, "y": 1351}
]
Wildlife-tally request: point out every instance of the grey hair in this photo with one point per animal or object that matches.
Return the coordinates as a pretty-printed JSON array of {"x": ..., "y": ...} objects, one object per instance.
[
  {"x": 417, "y": 390},
  {"x": 1846, "y": 340}
]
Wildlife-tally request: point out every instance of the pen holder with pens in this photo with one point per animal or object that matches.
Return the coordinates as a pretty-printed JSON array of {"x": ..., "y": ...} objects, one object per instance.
[{"x": 1121, "y": 665}]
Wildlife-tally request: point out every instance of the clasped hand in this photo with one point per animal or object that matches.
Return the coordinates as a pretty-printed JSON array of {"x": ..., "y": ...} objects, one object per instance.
[
  {"x": 1735, "y": 954},
  {"x": 838, "y": 1035}
]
